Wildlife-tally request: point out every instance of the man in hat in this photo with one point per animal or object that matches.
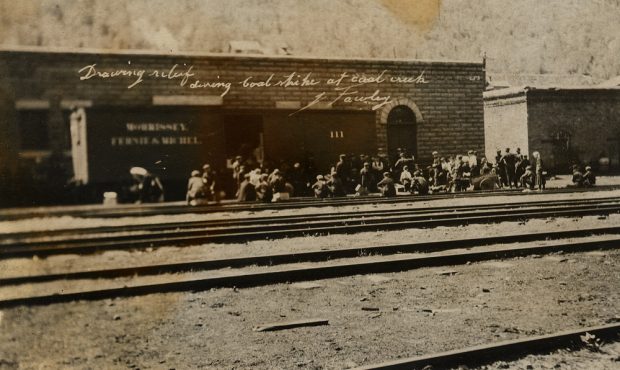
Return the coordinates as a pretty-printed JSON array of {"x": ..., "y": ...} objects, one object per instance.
[
  {"x": 388, "y": 189},
  {"x": 540, "y": 171},
  {"x": 528, "y": 178},
  {"x": 521, "y": 166},
  {"x": 277, "y": 182},
  {"x": 419, "y": 183},
  {"x": 196, "y": 190},
  {"x": 437, "y": 169},
  {"x": 406, "y": 178},
  {"x": 377, "y": 168},
  {"x": 238, "y": 170},
  {"x": 247, "y": 191},
  {"x": 577, "y": 177},
  {"x": 335, "y": 185},
  {"x": 510, "y": 160},
  {"x": 147, "y": 186},
  {"x": 403, "y": 160},
  {"x": 343, "y": 169},
  {"x": 320, "y": 187},
  {"x": 210, "y": 184},
  {"x": 589, "y": 179},
  {"x": 367, "y": 179},
  {"x": 263, "y": 189},
  {"x": 472, "y": 160}
]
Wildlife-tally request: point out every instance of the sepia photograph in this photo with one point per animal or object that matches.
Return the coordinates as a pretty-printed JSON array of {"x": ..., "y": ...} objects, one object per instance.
[{"x": 318, "y": 184}]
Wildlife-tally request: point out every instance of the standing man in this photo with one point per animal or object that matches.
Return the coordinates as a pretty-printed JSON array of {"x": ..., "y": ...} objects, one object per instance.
[
  {"x": 437, "y": 168},
  {"x": 589, "y": 179},
  {"x": 367, "y": 179},
  {"x": 510, "y": 160},
  {"x": 208, "y": 178},
  {"x": 472, "y": 160},
  {"x": 343, "y": 169},
  {"x": 540, "y": 178}
]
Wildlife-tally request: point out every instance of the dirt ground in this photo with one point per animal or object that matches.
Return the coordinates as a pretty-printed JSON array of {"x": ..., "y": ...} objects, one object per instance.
[{"x": 372, "y": 318}]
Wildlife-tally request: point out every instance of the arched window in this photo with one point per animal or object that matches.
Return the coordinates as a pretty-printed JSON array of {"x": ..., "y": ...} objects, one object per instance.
[
  {"x": 401, "y": 131},
  {"x": 401, "y": 115}
]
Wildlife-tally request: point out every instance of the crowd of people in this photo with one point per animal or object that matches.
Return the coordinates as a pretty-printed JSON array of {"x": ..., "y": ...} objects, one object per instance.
[
  {"x": 363, "y": 174},
  {"x": 360, "y": 175},
  {"x": 250, "y": 180}
]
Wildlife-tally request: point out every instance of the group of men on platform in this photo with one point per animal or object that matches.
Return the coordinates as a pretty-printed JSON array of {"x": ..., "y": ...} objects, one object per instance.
[{"x": 361, "y": 175}]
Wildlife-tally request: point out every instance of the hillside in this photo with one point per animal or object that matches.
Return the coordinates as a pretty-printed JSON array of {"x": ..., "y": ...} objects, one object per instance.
[{"x": 525, "y": 36}]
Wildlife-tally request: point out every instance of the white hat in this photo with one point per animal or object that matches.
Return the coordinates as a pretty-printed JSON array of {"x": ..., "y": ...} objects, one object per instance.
[{"x": 139, "y": 171}]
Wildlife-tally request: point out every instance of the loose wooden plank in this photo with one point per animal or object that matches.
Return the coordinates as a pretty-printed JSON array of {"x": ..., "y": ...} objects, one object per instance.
[{"x": 291, "y": 324}]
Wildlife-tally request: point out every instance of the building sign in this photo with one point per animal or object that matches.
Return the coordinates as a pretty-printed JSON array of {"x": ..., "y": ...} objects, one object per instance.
[
  {"x": 156, "y": 133},
  {"x": 166, "y": 141}
]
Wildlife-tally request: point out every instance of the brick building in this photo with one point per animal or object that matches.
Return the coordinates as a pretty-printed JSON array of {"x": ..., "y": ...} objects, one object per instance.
[
  {"x": 172, "y": 113},
  {"x": 566, "y": 125}
]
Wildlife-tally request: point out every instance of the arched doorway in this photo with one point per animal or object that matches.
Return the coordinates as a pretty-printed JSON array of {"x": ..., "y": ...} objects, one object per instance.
[
  {"x": 401, "y": 131},
  {"x": 563, "y": 156}
]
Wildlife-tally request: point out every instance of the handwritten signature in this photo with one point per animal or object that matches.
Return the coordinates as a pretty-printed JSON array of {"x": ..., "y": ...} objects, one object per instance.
[{"x": 348, "y": 95}]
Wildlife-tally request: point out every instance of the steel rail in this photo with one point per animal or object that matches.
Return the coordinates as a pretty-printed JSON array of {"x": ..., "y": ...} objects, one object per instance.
[
  {"x": 311, "y": 256},
  {"x": 505, "y": 350},
  {"x": 179, "y": 238},
  {"x": 251, "y": 279},
  {"x": 158, "y": 209},
  {"x": 12, "y": 238}
]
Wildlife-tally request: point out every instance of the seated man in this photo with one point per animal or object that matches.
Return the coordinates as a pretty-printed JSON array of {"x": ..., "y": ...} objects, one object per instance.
[
  {"x": 335, "y": 186},
  {"x": 528, "y": 179},
  {"x": 488, "y": 180},
  {"x": 577, "y": 177},
  {"x": 247, "y": 191},
  {"x": 388, "y": 189},
  {"x": 419, "y": 183},
  {"x": 406, "y": 178},
  {"x": 320, "y": 188},
  {"x": 196, "y": 190},
  {"x": 146, "y": 186},
  {"x": 263, "y": 189}
]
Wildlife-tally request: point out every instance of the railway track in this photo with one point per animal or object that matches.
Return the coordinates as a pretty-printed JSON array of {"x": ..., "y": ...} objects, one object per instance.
[
  {"x": 82, "y": 283},
  {"x": 506, "y": 350},
  {"x": 291, "y": 226},
  {"x": 25, "y": 290},
  {"x": 255, "y": 221},
  {"x": 178, "y": 208}
]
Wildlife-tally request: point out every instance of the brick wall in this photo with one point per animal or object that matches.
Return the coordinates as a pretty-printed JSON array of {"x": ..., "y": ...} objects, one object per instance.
[
  {"x": 446, "y": 95},
  {"x": 590, "y": 117}
]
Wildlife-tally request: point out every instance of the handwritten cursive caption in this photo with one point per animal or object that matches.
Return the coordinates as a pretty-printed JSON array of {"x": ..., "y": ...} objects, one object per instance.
[{"x": 344, "y": 88}]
